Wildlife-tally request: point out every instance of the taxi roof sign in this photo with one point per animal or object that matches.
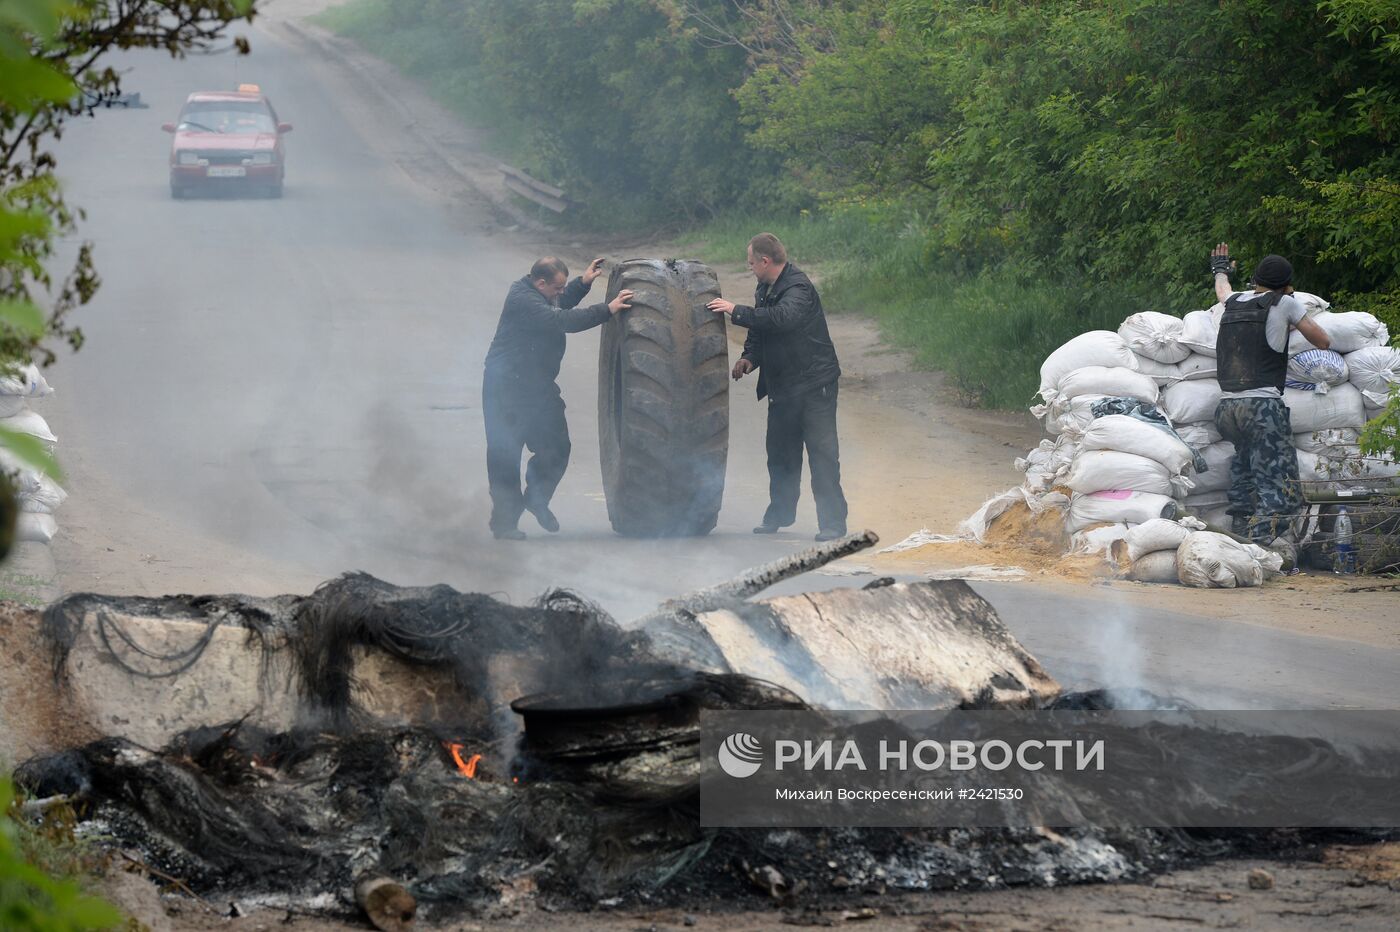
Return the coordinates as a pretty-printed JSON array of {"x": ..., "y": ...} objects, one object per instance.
[{"x": 249, "y": 89}]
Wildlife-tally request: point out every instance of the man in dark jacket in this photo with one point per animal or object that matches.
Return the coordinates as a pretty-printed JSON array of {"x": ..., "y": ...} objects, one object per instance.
[
  {"x": 520, "y": 397},
  {"x": 788, "y": 343}
]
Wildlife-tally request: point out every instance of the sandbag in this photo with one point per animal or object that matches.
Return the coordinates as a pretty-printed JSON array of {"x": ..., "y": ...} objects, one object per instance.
[
  {"x": 32, "y": 526},
  {"x": 1218, "y": 456},
  {"x": 1197, "y": 366},
  {"x": 1159, "y": 372},
  {"x": 1216, "y": 519},
  {"x": 43, "y": 497},
  {"x": 1191, "y": 401},
  {"x": 1207, "y": 560},
  {"x": 10, "y": 405},
  {"x": 1348, "y": 332},
  {"x": 1321, "y": 368},
  {"x": 1375, "y": 371},
  {"x": 1117, "y": 507},
  {"x": 1346, "y": 463},
  {"x": 1342, "y": 407},
  {"x": 1103, "y": 380},
  {"x": 1047, "y": 463},
  {"x": 1095, "y": 348},
  {"x": 1156, "y": 336},
  {"x": 1098, "y": 541},
  {"x": 1327, "y": 442},
  {"x": 1069, "y": 418},
  {"x": 1154, "y": 535},
  {"x": 1199, "y": 330},
  {"x": 1312, "y": 304},
  {"x": 1103, "y": 470},
  {"x": 1158, "y": 566},
  {"x": 30, "y": 422},
  {"x": 1200, "y": 434},
  {"x": 1199, "y": 502},
  {"x": 26, "y": 381},
  {"x": 1134, "y": 435}
]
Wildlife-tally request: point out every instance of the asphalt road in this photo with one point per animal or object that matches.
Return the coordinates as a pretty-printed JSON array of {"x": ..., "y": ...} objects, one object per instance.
[{"x": 301, "y": 378}]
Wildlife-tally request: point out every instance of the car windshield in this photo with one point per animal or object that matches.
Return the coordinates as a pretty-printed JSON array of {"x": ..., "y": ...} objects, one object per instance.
[{"x": 227, "y": 117}]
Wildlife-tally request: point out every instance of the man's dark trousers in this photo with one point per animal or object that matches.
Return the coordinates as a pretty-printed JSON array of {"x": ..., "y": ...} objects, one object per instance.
[
  {"x": 515, "y": 421},
  {"x": 807, "y": 418}
]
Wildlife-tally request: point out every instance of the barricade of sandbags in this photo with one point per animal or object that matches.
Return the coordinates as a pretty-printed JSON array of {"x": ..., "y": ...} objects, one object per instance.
[
  {"x": 1135, "y": 446},
  {"x": 37, "y": 495}
]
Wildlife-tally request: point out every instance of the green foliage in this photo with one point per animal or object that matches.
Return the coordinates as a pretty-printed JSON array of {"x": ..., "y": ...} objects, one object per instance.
[
  {"x": 35, "y": 894},
  {"x": 1054, "y": 154}
]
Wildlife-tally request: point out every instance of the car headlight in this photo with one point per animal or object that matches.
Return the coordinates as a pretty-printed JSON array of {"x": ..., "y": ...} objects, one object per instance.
[
  {"x": 188, "y": 158},
  {"x": 262, "y": 158}
]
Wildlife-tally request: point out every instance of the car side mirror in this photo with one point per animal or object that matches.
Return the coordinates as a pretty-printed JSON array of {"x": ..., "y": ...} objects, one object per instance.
[
  {"x": 284, "y": 127},
  {"x": 168, "y": 127}
]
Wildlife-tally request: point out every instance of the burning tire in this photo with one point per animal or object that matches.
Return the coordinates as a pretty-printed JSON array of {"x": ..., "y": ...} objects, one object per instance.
[{"x": 663, "y": 401}]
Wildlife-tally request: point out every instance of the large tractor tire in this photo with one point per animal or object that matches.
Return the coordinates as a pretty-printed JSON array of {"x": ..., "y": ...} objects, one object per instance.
[{"x": 663, "y": 401}]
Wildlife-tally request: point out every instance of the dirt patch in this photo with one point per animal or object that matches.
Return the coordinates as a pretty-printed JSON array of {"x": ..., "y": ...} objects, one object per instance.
[{"x": 1374, "y": 863}]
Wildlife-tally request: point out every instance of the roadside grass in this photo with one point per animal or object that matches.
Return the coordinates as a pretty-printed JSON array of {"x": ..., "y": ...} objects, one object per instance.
[{"x": 988, "y": 330}]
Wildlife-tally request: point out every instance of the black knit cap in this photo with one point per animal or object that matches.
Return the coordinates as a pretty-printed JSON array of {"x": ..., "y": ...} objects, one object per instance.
[{"x": 1273, "y": 272}]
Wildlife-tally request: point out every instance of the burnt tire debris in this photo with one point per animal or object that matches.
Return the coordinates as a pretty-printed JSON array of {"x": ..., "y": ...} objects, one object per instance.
[{"x": 663, "y": 401}]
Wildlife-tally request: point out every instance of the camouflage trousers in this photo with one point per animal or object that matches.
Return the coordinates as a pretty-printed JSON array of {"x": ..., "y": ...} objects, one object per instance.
[{"x": 1264, "y": 473}]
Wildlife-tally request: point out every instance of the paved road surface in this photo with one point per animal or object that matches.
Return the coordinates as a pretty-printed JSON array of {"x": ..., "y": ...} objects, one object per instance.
[{"x": 299, "y": 379}]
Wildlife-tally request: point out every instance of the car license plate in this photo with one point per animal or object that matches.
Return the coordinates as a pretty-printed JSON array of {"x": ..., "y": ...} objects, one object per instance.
[{"x": 227, "y": 171}]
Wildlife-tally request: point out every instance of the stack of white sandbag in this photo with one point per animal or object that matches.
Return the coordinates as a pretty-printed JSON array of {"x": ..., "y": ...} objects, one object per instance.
[
  {"x": 1118, "y": 473},
  {"x": 38, "y": 495}
]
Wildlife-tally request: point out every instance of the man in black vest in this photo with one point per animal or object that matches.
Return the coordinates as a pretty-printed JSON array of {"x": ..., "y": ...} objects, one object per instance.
[
  {"x": 1251, "y": 355},
  {"x": 788, "y": 343},
  {"x": 519, "y": 396}
]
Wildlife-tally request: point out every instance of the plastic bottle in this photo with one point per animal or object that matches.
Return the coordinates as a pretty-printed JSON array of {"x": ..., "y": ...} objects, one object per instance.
[{"x": 1345, "y": 559}]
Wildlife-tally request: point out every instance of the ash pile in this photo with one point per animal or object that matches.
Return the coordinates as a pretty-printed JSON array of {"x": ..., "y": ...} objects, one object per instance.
[{"x": 423, "y": 751}]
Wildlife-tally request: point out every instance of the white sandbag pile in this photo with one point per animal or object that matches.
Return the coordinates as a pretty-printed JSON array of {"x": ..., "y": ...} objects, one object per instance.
[
  {"x": 1153, "y": 454},
  {"x": 38, "y": 495}
]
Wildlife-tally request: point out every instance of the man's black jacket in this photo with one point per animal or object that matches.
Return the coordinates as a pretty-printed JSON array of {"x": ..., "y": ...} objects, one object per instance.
[
  {"x": 788, "y": 340},
  {"x": 529, "y": 341}
]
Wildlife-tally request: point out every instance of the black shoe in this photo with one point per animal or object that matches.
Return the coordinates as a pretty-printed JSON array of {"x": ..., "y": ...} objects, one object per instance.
[
  {"x": 766, "y": 529},
  {"x": 545, "y": 517},
  {"x": 513, "y": 533},
  {"x": 829, "y": 535}
]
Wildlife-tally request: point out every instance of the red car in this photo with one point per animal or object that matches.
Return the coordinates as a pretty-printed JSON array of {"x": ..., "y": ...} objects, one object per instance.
[{"x": 227, "y": 138}]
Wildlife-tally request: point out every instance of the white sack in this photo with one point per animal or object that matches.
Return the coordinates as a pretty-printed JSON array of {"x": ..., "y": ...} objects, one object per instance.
[
  {"x": 1117, "y": 507},
  {"x": 1323, "y": 368},
  {"x": 1128, "y": 434},
  {"x": 43, "y": 498},
  {"x": 1197, "y": 366},
  {"x": 1348, "y": 332},
  {"x": 1116, "y": 382},
  {"x": 1105, "y": 470},
  {"x": 1312, "y": 304},
  {"x": 1207, "y": 560},
  {"x": 1159, "y": 372},
  {"x": 1327, "y": 442},
  {"x": 1154, "y": 535},
  {"x": 1095, "y": 348},
  {"x": 975, "y": 526},
  {"x": 10, "y": 405},
  {"x": 26, "y": 380},
  {"x": 1159, "y": 566},
  {"x": 39, "y": 528},
  {"x": 1099, "y": 541},
  {"x": 1375, "y": 371},
  {"x": 1189, "y": 402},
  {"x": 30, "y": 422},
  {"x": 1047, "y": 463},
  {"x": 1200, "y": 434},
  {"x": 1342, "y": 407},
  {"x": 1216, "y": 519},
  {"x": 1156, "y": 336},
  {"x": 1199, "y": 330},
  {"x": 1345, "y": 464},
  {"x": 1068, "y": 418},
  {"x": 1218, "y": 457},
  {"x": 1198, "y": 502}
]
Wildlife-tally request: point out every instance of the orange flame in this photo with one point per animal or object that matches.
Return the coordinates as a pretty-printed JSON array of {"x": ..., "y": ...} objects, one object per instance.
[{"x": 468, "y": 766}]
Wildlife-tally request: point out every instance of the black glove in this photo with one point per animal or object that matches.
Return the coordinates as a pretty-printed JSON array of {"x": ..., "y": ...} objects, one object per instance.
[{"x": 1220, "y": 264}]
